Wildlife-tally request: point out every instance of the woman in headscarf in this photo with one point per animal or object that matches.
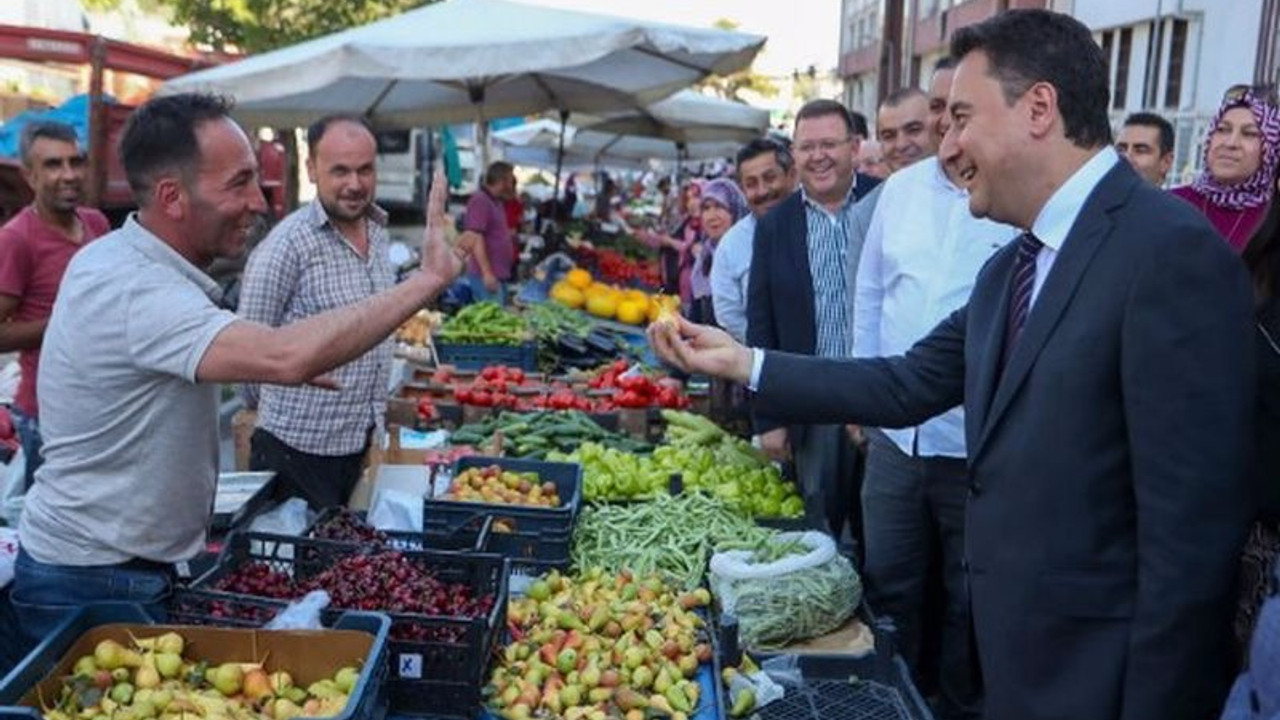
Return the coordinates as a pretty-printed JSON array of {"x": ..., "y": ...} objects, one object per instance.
[
  {"x": 675, "y": 243},
  {"x": 1240, "y": 160},
  {"x": 723, "y": 204}
]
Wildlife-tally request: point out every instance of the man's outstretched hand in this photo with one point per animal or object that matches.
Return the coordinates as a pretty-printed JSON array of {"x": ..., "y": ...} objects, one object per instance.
[
  {"x": 700, "y": 349},
  {"x": 443, "y": 258}
]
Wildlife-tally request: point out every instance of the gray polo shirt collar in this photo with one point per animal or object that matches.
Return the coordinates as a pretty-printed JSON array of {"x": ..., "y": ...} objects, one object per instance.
[{"x": 146, "y": 242}]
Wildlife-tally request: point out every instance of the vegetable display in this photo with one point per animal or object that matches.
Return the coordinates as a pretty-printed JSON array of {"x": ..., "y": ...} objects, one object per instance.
[
  {"x": 534, "y": 435},
  {"x": 484, "y": 323},
  {"x": 795, "y": 586},
  {"x": 670, "y": 535},
  {"x": 616, "y": 645},
  {"x": 706, "y": 458}
]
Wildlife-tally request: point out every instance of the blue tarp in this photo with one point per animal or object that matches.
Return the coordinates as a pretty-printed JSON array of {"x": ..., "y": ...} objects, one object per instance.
[{"x": 74, "y": 112}]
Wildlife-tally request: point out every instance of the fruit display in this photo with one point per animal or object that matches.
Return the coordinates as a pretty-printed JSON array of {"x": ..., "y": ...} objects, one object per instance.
[
  {"x": 609, "y": 301},
  {"x": 484, "y": 323},
  {"x": 615, "y": 267},
  {"x": 346, "y": 525},
  {"x": 382, "y": 581},
  {"x": 602, "y": 645},
  {"x": 670, "y": 535},
  {"x": 151, "y": 678},
  {"x": 638, "y": 390},
  {"x": 533, "y": 435},
  {"x": 417, "y": 330},
  {"x": 492, "y": 484}
]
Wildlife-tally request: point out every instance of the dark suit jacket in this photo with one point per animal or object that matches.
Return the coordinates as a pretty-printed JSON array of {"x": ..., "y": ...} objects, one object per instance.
[
  {"x": 1110, "y": 489},
  {"x": 780, "y": 305}
]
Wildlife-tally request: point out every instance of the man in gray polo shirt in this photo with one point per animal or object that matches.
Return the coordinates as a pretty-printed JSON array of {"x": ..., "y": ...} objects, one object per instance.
[{"x": 132, "y": 355}]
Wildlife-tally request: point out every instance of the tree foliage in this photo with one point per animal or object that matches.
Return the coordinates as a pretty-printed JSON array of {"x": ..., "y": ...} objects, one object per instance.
[
  {"x": 253, "y": 26},
  {"x": 732, "y": 87}
]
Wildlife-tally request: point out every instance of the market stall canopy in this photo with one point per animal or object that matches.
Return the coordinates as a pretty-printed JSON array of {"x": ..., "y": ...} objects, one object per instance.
[
  {"x": 460, "y": 60},
  {"x": 687, "y": 125}
]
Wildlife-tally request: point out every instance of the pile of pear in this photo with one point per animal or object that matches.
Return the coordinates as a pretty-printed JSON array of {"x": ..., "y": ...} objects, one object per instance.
[
  {"x": 151, "y": 679},
  {"x": 599, "y": 646}
]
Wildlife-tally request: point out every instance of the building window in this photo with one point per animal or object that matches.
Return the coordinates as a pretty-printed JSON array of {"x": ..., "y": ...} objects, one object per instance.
[
  {"x": 1177, "y": 54},
  {"x": 1108, "y": 43},
  {"x": 1151, "y": 76},
  {"x": 1121, "y": 90}
]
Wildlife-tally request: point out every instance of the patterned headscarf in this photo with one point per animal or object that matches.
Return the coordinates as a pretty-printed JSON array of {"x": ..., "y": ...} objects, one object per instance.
[
  {"x": 725, "y": 193},
  {"x": 1257, "y": 189}
]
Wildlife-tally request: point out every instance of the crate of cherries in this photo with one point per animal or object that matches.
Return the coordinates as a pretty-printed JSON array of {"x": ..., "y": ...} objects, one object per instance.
[{"x": 446, "y": 608}]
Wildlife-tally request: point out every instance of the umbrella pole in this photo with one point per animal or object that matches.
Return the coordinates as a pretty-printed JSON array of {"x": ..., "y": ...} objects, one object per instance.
[
  {"x": 680, "y": 152},
  {"x": 476, "y": 93},
  {"x": 555, "y": 193}
]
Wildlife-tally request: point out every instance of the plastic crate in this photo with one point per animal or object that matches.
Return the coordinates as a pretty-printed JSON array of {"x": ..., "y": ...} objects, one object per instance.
[
  {"x": 875, "y": 686},
  {"x": 567, "y": 477},
  {"x": 849, "y": 688},
  {"x": 438, "y": 677},
  {"x": 368, "y": 698},
  {"x": 477, "y": 357}
]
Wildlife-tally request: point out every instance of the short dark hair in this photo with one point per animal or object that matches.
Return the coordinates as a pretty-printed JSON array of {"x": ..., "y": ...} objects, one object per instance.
[
  {"x": 946, "y": 62},
  {"x": 317, "y": 129},
  {"x": 1150, "y": 119},
  {"x": 161, "y": 136},
  {"x": 764, "y": 145},
  {"x": 824, "y": 107},
  {"x": 497, "y": 171},
  {"x": 901, "y": 95},
  {"x": 47, "y": 129},
  {"x": 1026, "y": 47},
  {"x": 860, "y": 126}
]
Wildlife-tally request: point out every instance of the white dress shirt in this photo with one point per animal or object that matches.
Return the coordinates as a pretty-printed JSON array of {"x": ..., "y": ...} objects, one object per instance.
[
  {"x": 730, "y": 276},
  {"x": 1059, "y": 214},
  {"x": 922, "y": 253}
]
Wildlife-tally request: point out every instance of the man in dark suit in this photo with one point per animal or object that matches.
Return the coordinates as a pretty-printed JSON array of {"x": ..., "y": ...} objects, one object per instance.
[
  {"x": 1105, "y": 368},
  {"x": 800, "y": 298}
]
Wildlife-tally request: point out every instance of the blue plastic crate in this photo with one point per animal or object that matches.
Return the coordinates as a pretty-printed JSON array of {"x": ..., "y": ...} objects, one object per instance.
[
  {"x": 368, "y": 698},
  {"x": 478, "y": 357}
]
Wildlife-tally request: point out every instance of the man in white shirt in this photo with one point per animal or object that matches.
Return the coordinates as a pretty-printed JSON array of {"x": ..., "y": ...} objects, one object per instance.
[
  {"x": 767, "y": 174},
  {"x": 922, "y": 252}
]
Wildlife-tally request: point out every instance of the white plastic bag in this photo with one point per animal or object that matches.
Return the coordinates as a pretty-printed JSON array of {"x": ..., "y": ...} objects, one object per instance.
[
  {"x": 303, "y": 614},
  {"x": 290, "y": 517},
  {"x": 796, "y": 597},
  {"x": 13, "y": 478}
]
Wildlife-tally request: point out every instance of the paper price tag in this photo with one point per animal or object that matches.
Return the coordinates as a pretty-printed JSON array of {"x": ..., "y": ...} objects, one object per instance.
[{"x": 411, "y": 666}]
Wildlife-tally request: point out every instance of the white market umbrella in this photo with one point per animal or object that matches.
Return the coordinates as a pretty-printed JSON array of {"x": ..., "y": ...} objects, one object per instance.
[
  {"x": 687, "y": 125},
  {"x": 464, "y": 60}
]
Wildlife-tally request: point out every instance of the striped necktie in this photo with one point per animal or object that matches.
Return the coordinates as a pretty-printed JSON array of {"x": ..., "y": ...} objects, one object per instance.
[{"x": 1024, "y": 281}]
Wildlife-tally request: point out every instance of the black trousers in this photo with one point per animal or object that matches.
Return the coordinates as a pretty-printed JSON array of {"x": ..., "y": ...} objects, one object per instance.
[{"x": 322, "y": 480}]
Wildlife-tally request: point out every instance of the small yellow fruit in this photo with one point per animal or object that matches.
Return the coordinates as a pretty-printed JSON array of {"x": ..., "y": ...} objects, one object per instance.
[
  {"x": 632, "y": 312},
  {"x": 579, "y": 278},
  {"x": 601, "y": 305}
]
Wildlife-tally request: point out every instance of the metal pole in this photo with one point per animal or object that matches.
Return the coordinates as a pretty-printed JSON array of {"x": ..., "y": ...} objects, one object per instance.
[{"x": 555, "y": 194}]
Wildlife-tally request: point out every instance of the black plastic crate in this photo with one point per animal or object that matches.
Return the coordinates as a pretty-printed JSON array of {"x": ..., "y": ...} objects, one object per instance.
[
  {"x": 848, "y": 688},
  {"x": 368, "y": 697},
  {"x": 440, "y": 676},
  {"x": 477, "y": 357},
  {"x": 443, "y": 515},
  {"x": 875, "y": 686},
  {"x": 473, "y": 536}
]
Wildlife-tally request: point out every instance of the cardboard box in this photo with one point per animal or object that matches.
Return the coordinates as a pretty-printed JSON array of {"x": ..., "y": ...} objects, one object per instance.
[{"x": 242, "y": 424}]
